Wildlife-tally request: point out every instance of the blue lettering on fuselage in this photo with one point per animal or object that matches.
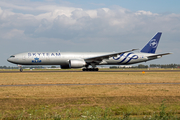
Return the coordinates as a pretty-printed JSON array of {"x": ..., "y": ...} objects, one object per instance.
[
  {"x": 44, "y": 54},
  {"x": 58, "y": 54},
  {"x": 39, "y": 54},
  {"x": 34, "y": 54}
]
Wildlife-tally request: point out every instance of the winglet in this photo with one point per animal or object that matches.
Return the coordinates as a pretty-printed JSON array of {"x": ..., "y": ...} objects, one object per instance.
[{"x": 152, "y": 44}]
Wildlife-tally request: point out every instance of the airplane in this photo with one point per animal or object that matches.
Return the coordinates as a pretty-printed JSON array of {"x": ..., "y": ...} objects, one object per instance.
[{"x": 83, "y": 60}]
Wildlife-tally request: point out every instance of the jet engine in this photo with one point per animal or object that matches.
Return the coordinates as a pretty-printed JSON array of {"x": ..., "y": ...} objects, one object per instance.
[{"x": 77, "y": 63}]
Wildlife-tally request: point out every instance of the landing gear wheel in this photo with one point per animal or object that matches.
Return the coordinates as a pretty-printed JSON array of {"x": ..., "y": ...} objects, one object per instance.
[
  {"x": 96, "y": 69},
  {"x": 21, "y": 69},
  {"x": 90, "y": 69}
]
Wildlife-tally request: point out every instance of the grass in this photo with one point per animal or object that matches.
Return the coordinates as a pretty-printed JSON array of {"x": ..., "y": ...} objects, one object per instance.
[
  {"x": 89, "y": 91},
  {"x": 88, "y": 77},
  {"x": 88, "y": 108},
  {"x": 90, "y": 102}
]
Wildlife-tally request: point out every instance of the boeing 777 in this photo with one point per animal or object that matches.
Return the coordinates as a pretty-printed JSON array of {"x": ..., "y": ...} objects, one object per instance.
[{"x": 85, "y": 59}]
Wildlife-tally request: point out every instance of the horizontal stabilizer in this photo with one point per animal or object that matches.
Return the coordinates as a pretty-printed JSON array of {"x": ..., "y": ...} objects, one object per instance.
[{"x": 158, "y": 55}]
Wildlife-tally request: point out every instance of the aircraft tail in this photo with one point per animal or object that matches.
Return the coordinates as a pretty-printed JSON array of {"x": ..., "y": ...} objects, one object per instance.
[{"x": 151, "y": 46}]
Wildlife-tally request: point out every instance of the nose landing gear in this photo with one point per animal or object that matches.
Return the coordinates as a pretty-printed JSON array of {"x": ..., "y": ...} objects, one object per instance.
[{"x": 20, "y": 68}]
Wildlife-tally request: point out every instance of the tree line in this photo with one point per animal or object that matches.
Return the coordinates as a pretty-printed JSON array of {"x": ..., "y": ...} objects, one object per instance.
[
  {"x": 9, "y": 67},
  {"x": 151, "y": 66},
  {"x": 165, "y": 66},
  {"x": 139, "y": 66}
]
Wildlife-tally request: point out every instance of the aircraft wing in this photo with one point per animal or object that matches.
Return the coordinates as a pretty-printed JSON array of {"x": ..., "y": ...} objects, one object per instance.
[
  {"x": 160, "y": 55},
  {"x": 107, "y": 56}
]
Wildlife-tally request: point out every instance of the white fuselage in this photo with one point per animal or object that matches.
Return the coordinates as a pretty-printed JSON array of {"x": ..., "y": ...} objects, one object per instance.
[{"x": 62, "y": 58}]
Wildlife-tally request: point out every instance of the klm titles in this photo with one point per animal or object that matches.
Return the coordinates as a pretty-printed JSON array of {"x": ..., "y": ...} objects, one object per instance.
[{"x": 43, "y": 54}]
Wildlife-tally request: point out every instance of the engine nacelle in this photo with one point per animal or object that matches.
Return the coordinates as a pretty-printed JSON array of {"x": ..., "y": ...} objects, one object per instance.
[{"x": 76, "y": 63}]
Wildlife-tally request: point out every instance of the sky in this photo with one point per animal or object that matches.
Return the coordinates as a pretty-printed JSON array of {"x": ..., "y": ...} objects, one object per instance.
[{"x": 88, "y": 26}]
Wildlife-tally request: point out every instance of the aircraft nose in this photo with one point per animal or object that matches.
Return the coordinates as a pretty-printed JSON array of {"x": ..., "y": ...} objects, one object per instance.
[{"x": 9, "y": 59}]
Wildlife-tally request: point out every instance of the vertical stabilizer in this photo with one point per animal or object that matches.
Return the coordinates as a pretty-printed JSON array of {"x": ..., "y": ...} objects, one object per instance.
[{"x": 152, "y": 44}]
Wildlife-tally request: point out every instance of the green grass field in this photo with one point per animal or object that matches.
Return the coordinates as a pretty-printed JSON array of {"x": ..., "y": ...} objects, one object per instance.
[{"x": 88, "y": 101}]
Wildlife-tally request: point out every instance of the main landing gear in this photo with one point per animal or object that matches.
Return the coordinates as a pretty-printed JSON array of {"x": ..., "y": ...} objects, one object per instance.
[
  {"x": 90, "y": 69},
  {"x": 94, "y": 68}
]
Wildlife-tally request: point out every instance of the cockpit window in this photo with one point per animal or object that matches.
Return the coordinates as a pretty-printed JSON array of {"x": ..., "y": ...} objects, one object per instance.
[{"x": 12, "y": 56}]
